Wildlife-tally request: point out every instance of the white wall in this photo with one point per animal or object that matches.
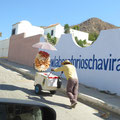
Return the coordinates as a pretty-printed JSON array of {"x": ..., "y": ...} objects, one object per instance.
[
  {"x": 58, "y": 30},
  {"x": 48, "y": 30},
  {"x": 30, "y": 30},
  {"x": 98, "y": 65},
  {"x": 4, "y": 46},
  {"x": 27, "y": 28},
  {"x": 79, "y": 34}
]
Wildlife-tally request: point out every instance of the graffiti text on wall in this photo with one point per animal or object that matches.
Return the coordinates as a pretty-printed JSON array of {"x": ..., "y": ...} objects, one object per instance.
[{"x": 109, "y": 63}]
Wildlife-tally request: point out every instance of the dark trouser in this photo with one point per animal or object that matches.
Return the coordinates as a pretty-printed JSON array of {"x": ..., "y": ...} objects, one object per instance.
[{"x": 72, "y": 90}]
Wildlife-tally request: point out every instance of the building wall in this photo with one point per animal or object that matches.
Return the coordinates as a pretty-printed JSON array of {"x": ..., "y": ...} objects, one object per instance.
[
  {"x": 98, "y": 65},
  {"x": 27, "y": 28},
  {"x": 48, "y": 30},
  {"x": 20, "y": 49},
  {"x": 59, "y": 30},
  {"x": 4, "y": 45},
  {"x": 79, "y": 34}
]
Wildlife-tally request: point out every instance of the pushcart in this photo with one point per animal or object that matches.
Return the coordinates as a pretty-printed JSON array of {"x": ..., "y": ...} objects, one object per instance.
[{"x": 47, "y": 81}]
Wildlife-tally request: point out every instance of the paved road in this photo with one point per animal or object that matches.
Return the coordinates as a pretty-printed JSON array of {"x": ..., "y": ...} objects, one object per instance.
[{"x": 15, "y": 85}]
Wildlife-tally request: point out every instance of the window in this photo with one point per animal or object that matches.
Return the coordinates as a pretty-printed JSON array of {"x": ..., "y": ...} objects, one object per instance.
[
  {"x": 13, "y": 31},
  {"x": 52, "y": 32}
]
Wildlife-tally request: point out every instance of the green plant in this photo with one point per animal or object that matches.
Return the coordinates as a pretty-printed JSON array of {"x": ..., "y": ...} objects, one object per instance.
[
  {"x": 48, "y": 36},
  {"x": 80, "y": 42},
  {"x": 76, "y": 27},
  {"x": 52, "y": 40},
  {"x": 93, "y": 36},
  {"x": 67, "y": 28},
  {"x": 84, "y": 42},
  {"x": 76, "y": 39}
]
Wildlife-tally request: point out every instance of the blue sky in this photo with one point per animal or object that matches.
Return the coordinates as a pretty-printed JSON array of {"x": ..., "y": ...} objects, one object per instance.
[{"x": 46, "y": 12}]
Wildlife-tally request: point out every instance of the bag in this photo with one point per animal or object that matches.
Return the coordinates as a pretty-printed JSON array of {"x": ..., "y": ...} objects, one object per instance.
[{"x": 59, "y": 83}]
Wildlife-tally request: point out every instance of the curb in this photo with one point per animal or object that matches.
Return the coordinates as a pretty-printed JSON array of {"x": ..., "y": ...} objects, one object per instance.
[
  {"x": 99, "y": 103},
  {"x": 20, "y": 70},
  {"x": 81, "y": 97}
]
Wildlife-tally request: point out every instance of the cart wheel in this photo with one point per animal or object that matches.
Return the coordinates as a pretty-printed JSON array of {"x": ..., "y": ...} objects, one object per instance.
[
  {"x": 38, "y": 89},
  {"x": 53, "y": 92}
]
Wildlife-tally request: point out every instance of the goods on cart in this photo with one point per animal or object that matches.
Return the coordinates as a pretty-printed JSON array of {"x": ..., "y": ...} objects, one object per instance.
[
  {"x": 42, "y": 61},
  {"x": 46, "y": 81}
]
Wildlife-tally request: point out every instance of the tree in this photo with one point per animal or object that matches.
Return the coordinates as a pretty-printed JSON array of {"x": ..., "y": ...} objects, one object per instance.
[
  {"x": 76, "y": 27},
  {"x": 0, "y": 34},
  {"x": 67, "y": 28}
]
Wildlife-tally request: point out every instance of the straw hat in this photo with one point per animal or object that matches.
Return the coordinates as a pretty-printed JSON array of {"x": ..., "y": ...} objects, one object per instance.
[{"x": 66, "y": 61}]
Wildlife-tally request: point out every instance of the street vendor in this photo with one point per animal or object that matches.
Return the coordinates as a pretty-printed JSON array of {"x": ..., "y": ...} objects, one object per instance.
[{"x": 72, "y": 84}]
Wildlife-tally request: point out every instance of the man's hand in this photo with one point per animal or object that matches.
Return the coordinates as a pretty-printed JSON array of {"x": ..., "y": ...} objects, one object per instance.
[{"x": 52, "y": 69}]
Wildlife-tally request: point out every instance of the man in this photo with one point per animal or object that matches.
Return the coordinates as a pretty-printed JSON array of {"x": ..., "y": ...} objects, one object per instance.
[{"x": 72, "y": 84}]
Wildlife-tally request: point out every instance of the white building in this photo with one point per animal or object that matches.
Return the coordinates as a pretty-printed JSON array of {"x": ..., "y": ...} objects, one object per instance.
[
  {"x": 4, "y": 46},
  {"x": 27, "y": 28},
  {"x": 56, "y": 30},
  {"x": 80, "y": 35}
]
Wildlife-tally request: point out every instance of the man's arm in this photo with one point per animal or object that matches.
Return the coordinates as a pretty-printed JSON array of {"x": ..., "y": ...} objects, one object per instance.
[
  {"x": 58, "y": 69},
  {"x": 52, "y": 69}
]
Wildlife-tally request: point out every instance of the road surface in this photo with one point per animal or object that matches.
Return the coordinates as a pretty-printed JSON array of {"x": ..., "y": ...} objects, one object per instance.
[{"x": 15, "y": 85}]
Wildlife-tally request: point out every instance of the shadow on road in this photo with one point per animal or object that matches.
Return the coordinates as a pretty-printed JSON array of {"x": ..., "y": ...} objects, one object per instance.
[
  {"x": 32, "y": 93},
  {"x": 43, "y": 100},
  {"x": 13, "y": 88}
]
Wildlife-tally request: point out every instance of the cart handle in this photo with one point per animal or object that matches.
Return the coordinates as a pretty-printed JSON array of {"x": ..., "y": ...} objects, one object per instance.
[
  {"x": 51, "y": 72},
  {"x": 61, "y": 73}
]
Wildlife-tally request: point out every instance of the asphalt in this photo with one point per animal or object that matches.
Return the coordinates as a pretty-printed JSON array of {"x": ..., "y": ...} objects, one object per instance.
[{"x": 91, "y": 96}]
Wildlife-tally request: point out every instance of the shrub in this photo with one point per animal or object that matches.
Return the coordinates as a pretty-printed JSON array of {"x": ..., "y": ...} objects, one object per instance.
[
  {"x": 48, "y": 36},
  {"x": 93, "y": 36},
  {"x": 76, "y": 39},
  {"x": 76, "y": 27},
  {"x": 80, "y": 42},
  {"x": 66, "y": 28},
  {"x": 84, "y": 42},
  {"x": 51, "y": 40}
]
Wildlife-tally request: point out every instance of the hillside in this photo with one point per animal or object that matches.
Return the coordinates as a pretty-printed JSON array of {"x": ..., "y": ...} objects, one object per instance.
[{"x": 94, "y": 25}]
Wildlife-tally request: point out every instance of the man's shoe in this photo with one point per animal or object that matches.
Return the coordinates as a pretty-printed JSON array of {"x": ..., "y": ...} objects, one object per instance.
[{"x": 73, "y": 105}]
